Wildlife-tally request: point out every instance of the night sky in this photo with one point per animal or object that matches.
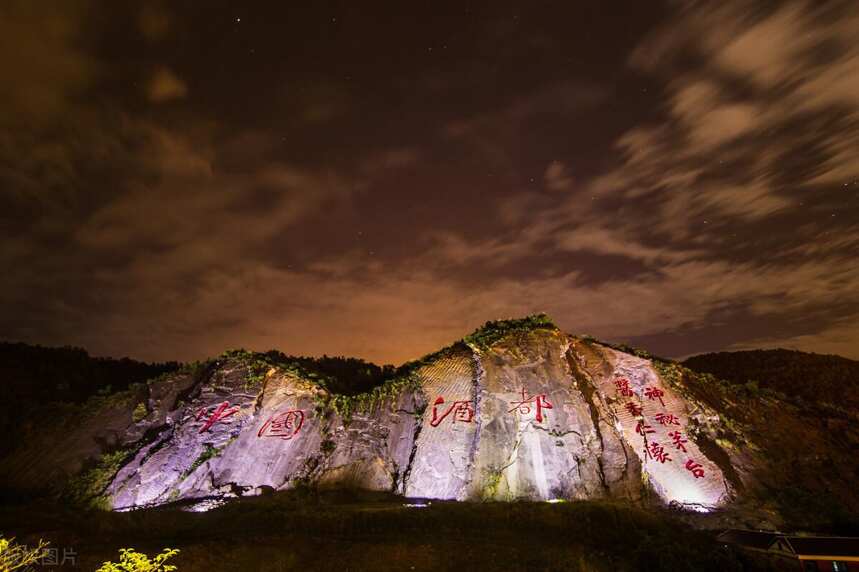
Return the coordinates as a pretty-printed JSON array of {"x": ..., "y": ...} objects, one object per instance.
[{"x": 377, "y": 180}]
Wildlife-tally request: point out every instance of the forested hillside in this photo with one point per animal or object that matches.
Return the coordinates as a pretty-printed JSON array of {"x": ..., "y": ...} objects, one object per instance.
[
  {"x": 34, "y": 375},
  {"x": 812, "y": 378}
]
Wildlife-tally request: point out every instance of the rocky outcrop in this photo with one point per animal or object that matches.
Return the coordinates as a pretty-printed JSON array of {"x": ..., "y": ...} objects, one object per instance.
[
  {"x": 518, "y": 410},
  {"x": 534, "y": 415},
  {"x": 446, "y": 438},
  {"x": 542, "y": 436}
]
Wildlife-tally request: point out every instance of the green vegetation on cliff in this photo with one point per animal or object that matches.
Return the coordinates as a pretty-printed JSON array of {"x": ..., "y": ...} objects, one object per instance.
[
  {"x": 336, "y": 374},
  {"x": 87, "y": 488},
  {"x": 798, "y": 443},
  {"x": 209, "y": 452},
  {"x": 494, "y": 331},
  {"x": 353, "y": 377},
  {"x": 393, "y": 381},
  {"x": 350, "y": 384}
]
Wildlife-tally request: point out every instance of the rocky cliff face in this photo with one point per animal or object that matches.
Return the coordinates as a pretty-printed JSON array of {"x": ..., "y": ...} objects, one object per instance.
[
  {"x": 525, "y": 412},
  {"x": 537, "y": 415}
]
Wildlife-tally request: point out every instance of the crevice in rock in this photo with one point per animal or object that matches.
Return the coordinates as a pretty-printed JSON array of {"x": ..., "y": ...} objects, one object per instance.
[
  {"x": 577, "y": 468},
  {"x": 721, "y": 459},
  {"x": 477, "y": 376},
  {"x": 312, "y": 468},
  {"x": 588, "y": 389},
  {"x": 158, "y": 442},
  {"x": 601, "y": 473},
  {"x": 235, "y": 489},
  {"x": 152, "y": 440},
  {"x": 395, "y": 478},
  {"x": 259, "y": 396},
  {"x": 200, "y": 378},
  {"x": 511, "y": 460},
  {"x": 407, "y": 412},
  {"x": 556, "y": 433},
  {"x": 408, "y": 471},
  {"x": 625, "y": 474}
]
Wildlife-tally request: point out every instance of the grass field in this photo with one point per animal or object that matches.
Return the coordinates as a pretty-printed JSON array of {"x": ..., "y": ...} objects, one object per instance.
[{"x": 359, "y": 531}]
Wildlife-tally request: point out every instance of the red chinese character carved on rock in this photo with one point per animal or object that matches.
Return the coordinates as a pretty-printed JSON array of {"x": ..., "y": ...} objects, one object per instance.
[
  {"x": 623, "y": 389},
  {"x": 285, "y": 425},
  {"x": 633, "y": 409},
  {"x": 678, "y": 440},
  {"x": 462, "y": 411},
  {"x": 694, "y": 468},
  {"x": 657, "y": 452},
  {"x": 221, "y": 412},
  {"x": 524, "y": 406},
  {"x": 641, "y": 428},
  {"x": 653, "y": 393},
  {"x": 667, "y": 419}
]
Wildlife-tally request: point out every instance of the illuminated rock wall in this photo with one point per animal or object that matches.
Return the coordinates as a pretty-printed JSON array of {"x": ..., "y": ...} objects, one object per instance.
[
  {"x": 538, "y": 416},
  {"x": 229, "y": 442},
  {"x": 374, "y": 448},
  {"x": 175, "y": 464},
  {"x": 445, "y": 446},
  {"x": 540, "y": 436},
  {"x": 656, "y": 420}
]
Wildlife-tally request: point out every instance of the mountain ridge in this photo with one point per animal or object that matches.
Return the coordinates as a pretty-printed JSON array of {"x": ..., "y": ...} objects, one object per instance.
[{"x": 390, "y": 422}]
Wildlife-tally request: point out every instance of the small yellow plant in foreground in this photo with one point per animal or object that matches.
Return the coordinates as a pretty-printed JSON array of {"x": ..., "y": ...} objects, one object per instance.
[
  {"x": 132, "y": 561},
  {"x": 16, "y": 556}
]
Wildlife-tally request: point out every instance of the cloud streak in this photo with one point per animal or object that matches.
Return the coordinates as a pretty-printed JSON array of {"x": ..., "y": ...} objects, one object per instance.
[{"x": 175, "y": 231}]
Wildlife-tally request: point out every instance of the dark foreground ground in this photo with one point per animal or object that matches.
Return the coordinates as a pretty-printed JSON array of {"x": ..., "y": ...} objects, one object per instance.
[{"x": 305, "y": 531}]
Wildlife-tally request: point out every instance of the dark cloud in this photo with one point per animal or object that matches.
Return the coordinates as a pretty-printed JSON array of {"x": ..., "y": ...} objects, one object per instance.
[
  {"x": 165, "y": 86},
  {"x": 42, "y": 60},
  {"x": 323, "y": 181}
]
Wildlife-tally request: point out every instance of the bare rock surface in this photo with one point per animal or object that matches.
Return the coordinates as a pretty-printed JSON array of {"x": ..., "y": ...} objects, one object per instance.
[
  {"x": 447, "y": 439},
  {"x": 533, "y": 414},
  {"x": 538, "y": 437}
]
